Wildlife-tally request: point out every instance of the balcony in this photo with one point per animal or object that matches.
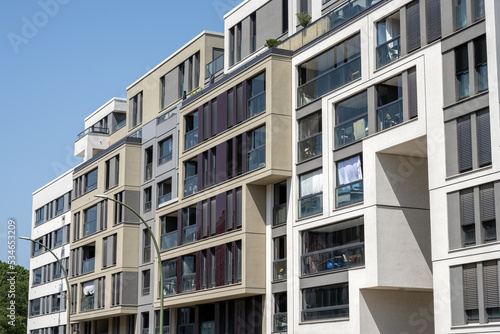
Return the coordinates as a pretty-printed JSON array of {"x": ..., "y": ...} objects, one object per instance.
[
  {"x": 215, "y": 66},
  {"x": 148, "y": 172},
  {"x": 170, "y": 286},
  {"x": 164, "y": 198},
  {"x": 342, "y": 257},
  {"x": 388, "y": 52},
  {"x": 280, "y": 323},
  {"x": 93, "y": 129},
  {"x": 93, "y": 139},
  {"x": 88, "y": 265},
  {"x": 191, "y": 138},
  {"x": 169, "y": 240},
  {"x": 390, "y": 114},
  {"x": 310, "y": 205},
  {"x": 257, "y": 105},
  {"x": 87, "y": 303},
  {"x": 349, "y": 194},
  {"x": 351, "y": 131},
  {"x": 191, "y": 185},
  {"x": 310, "y": 147},
  {"x": 189, "y": 234},
  {"x": 188, "y": 282},
  {"x": 279, "y": 214},
  {"x": 335, "y": 78},
  {"x": 279, "y": 269},
  {"x": 90, "y": 227}
]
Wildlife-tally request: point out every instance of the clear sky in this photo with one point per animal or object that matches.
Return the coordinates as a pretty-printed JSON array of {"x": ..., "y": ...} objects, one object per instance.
[{"x": 60, "y": 60}]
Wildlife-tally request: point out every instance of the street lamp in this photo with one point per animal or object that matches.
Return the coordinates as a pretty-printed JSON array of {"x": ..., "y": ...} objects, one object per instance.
[
  {"x": 68, "y": 308},
  {"x": 157, "y": 253}
]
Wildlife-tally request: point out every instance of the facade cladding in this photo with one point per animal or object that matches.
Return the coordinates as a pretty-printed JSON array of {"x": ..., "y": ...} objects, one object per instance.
[{"x": 344, "y": 180}]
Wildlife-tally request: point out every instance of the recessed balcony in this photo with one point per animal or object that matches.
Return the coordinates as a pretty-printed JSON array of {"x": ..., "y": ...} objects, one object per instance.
[{"x": 91, "y": 140}]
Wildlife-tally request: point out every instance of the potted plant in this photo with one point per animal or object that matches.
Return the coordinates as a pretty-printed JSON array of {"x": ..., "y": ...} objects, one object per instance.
[
  {"x": 304, "y": 18},
  {"x": 272, "y": 42}
]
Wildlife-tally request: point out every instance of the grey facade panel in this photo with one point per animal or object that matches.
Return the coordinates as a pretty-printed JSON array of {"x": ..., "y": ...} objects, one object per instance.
[
  {"x": 269, "y": 18},
  {"x": 128, "y": 288}
]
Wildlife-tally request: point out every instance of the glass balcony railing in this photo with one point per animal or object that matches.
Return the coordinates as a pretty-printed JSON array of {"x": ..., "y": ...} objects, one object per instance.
[
  {"x": 191, "y": 138},
  {"x": 137, "y": 134},
  {"x": 280, "y": 322},
  {"x": 147, "y": 206},
  {"x": 349, "y": 194},
  {"x": 310, "y": 205},
  {"x": 310, "y": 147},
  {"x": 345, "y": 256},
  {"x": 335, "y": 78},
  {"x": 87, "y": 303},
  {"x": 390, "y": 114},
  {"x": 257, "y": 158},
  {"x": 188, "y": 282},
  {"x": 352, "y": 131},
  {"x": 189, "y": 234},
  {"x": 327, "y": 23},
  {"x": 164, "y": 198},
  {"x": 388, "y": 52},
  {"x": 166, "y": 329},
  {"x": 170, "y": 286},
  {"x": 214, "y": 66},
  {"x": 165, "y": 158},
  {"x": 279, "y": 214},
  {"x": 279, "y": 269},
  {"x": 120, "y": 125},
  {"x": 169, "y": 240},
  {"x": 191, "y": 185},
  {"x": 256, "y": 105},
  {"x": 148, "y": 171},
  {"x": 88, "y": 265},
  {"x": 93, "y": 129},
  {"x": 90, "y": 227}
]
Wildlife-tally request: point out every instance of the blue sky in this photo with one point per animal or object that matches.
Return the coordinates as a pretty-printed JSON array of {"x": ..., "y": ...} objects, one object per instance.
[{"x": 60, "y": 60}]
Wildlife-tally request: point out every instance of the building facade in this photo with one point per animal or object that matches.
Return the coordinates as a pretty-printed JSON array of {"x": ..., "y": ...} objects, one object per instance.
[{"x": 342, "y": 180}]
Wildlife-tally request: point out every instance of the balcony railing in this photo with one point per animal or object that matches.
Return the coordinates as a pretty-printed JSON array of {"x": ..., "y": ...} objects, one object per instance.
[
  {"x": 120, "y": 125},
  {"x": 169, "y": 240},
  {"x": 388, "y": 52},
  {"x": 90, "y": 227},
  {"x": 280, "y": 322},
  {"x": 349, "y": 194},
  {"x": 147, "y": 206},
  {"x": 90, "y": 187},
  {"x": 310, "y": 205},
  {"x": 88, "y": 265},
  {"x": 390, "y": 114},
  {"x": 87, "y": 303},
  {"x": 215, "y": 66},
  {"x": 165, "y": 158},
  {"x": 191, "y": 185},
  {"x": 257, "y": 104},
  {"x": 279, "y": 269},
  {"x": 145, "y": 290},
  {"x": 166, "y": 330},
  {"x": 148, "y": 171},
  {"x": 93, "y": 129},
  {"x": 189, "y": 234},
  {"x": 170, "y": 286},
  {"x": 191, "y": 138},
  {"x": 279, "y": 214},
  {"x": 257, "y": 158},
  {"x": 335, "y": 78},
  {"x": 188, "y": 282},
  {"x": 351, "y": 131},
  {"x": 327, "y": 23},
  {"x": 164, "y": 198},
  {"x": 342, "y": 257},
  {"x": 310, "y": 147}
]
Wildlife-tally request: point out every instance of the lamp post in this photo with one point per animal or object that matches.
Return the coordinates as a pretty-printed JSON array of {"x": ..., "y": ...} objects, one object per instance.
[
  {"x": 157, "y": 253},
  {"x": 68, "y": 308}
]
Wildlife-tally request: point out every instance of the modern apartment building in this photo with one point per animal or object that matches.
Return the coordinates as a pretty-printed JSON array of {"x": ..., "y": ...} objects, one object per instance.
[{"x": 343, "y": 180}]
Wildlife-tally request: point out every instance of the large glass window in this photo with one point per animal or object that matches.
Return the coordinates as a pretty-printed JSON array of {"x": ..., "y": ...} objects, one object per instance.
[
  {"x": 310, "y": 138},
  {"x": 388, "y": 40},
  {"x": 191, "y": 179},
  {"x": 257, "y": 96},
  {"x": 349, "y": 182},
  {"x": 279, "y": 263},
  {"x": 462, "y": 70},
  {"x": 164, "y": 191},
  {"x": 332, "y": 247},
  {"x": 460, "y": 14},
  {"x": 189, "y": 224},
  {"x": 188, "y": 273},
  {"x": 59, "y": 205},
  {"x": 311, "y": 193},
  {"x": 148, "y": 168},
  {"x": 147, "y": 199},
  {"x": 90, "y": 224},
  {"x": 351, "y": 117},
  {"x": 40, "y": 216},
  {"x": 168, "y": 232},
  {"x": 329, "y": 71},
  {"x": 481, "y": 63},
  {"x": 280, "y": 312},
  {"x": 256, "y": 148},
  {"x": 165, "y": 151},
  {"x": 169, "y": 277},
  {"x": 91, "y": 180},
  {"x": 135, "y": 107},
  {"x": 37, "y": 276},
  {"x": 479, "y": 9},
  {"x": 191, "y": 130},
  {"x": 390, "y": 103},
  {"x": 325, "y": 302},
  {"x": 280, "y": 200},
  {"x": 88, "y": 291}
]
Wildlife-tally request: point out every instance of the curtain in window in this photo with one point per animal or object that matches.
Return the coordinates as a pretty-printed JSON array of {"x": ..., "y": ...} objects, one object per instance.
[
  {"x": 350, "y": 170},
  {"x": 88, "y": 289},
  {"x": 311, "y": 183}
]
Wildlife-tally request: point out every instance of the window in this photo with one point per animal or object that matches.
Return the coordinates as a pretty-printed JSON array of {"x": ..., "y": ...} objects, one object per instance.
[
  {"x": 91, "y": 180},
  {"x": 481, "y": 63},
  {"x": 145, "y": 322},
  {"x": 146, "y": 244},
  {"x": 304, "y": 6},
  {"x": 231, "y": 46},
  {"x": 147, "y": 199},
  {"x": 329, "y": 70},
  {"x": 310, "y": 138},
  {"x": 206, "y": 121},
  {"x": 280, "y": 312},
  {"x": 204, "y": 270},
  {"x": 88, "y": 290},
  {"x": 388, "y": 40},
  {"x": 191, "y": 177},
  {"x": 189, "y": 224},
  {"x": 212, "y": 267},
  {"x": 39, "y": 216},
  {"x": 37, "y": 276},
  {"x": 239, "y": 103},
  {"x": 166, "y": 321},
  {"x": 229, "y": 159},
  {"x": 257, "y": 95},
  {"x": 469, "y": 147},
  {"x": 58, "y": 238},
  {"x": 238, "y": 257},
  {"x": 213, "y": 216},
  {"x": 460, "y": 14},
  {"x": 284, "y": 16},
  {"x": 37, "y": 248},
  {"x": 112, "y": 172},
  {"x": 239, "y": 208},
  {"x": 311, "y": 193},
  {"x": 168, "y": 232},
  {"x": 146, "y": 282},
  {"x": 229, "y": 210},
  {"x": 253, "y": 32},
  {"x": 59, "y": 205},
  {"x": 213, "y": 117},
  {"x": 390, "y": 103},
  {"x": 413, "y": 26},
  {"x": 462, "y": 70},
  {"x": 57, "y": 269},
  {"x": 148, "y": 169},
  {"x": 186, "y": 320},
  {"x": 334, "y": 246},
  {"x": 280, "y": 200},
  {"x": 279, "y": 264},
  {"x": 135, "y": 107},
  {"x": 76, "y": 226},
  {"x": 119, "y": 208},
  {"x": 88, "y": 264},
  {"x": 191, "y": 130},
  {"x": 229, "y": 264},
  {"x": 188, "y": 273},
  {"x": 209, "y": 167},
  {"x": 230, "y": 108},
  {"x": 433, "y": 18},
  {"x": 164, "y": 191},
  {"x": 56, "y": 302},
  {"x": 478, "y": 9},
  {"x": 90, "y": 225},
  {"x": 349, "y": 188},
  {"x": 488, "y": 217},
  {"x": 256, "y": 148},
  {"x": 238, "y": 43},
  {"x": 351, "y": 120},
  {"x": 165, "y": 151},
  {"x": 325, "y": 302},
  {"x": 169, "y": 277},
  {"x": 35, "y": 307}
]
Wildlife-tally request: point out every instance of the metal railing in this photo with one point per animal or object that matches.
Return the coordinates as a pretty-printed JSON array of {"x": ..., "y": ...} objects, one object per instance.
[
  {"x": 215, "y": 66},
  {"x": 93, "y": 129},
  {"x": 147, "y": 206},
  {"x": 164, "y": 198},
  {"x": 166, "y": 330},
  {"x": 346, "y": 256},
  {"x": 165, "y": 158},
  {"x": 256, "y": 158},
  {"x": 191, "y": 138}
]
